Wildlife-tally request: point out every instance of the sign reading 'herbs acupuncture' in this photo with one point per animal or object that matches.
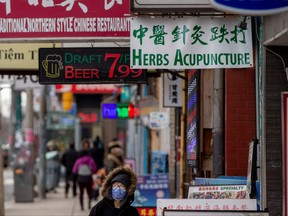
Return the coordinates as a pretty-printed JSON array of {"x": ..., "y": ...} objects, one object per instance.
[{"x": 190, "y": 43}]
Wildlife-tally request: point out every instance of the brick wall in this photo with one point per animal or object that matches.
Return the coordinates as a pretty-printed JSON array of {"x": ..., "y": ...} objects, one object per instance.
[{"x": 240, "y": 119}]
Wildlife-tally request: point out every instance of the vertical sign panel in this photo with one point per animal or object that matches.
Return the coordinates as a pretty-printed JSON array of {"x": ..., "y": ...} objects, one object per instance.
[
  {"x": 192, "y": 118},
  {"x": 284, "y": 141},
  {"x": 172, "y": 91}
]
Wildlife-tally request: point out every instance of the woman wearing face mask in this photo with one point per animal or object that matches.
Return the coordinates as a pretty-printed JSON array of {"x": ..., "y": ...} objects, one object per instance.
[{"x": 118, "y": 194}]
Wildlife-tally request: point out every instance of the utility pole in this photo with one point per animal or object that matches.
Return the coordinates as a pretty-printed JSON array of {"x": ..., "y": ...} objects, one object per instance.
[
  {"x": 2, "y": 211},
  {"x": 42, "y": 147}
]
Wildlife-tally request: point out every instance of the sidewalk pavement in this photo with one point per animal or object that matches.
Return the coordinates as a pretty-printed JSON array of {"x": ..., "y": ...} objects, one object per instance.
[{"x": 55, "y": 204}]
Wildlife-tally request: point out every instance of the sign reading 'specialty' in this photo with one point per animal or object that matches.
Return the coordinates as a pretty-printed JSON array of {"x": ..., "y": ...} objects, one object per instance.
[{"x": 190, "y": 43}]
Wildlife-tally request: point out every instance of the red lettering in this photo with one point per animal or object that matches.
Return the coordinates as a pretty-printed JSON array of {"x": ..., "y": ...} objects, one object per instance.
[
  {"x": 69, "y": 72},
  {"x": 78, "y": 73},
  {"x": 95, "y": 72},
  {"x": 86, "y": 73}
]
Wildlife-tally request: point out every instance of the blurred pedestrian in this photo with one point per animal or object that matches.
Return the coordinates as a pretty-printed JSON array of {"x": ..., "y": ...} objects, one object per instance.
[
  {"x": 68, "y": 159},
  {"x": 115, "y": 157},
  {"x": 97, "y": 152},
  {"x": 118, "y": 194},
  {"x": 84, "y": 167}
]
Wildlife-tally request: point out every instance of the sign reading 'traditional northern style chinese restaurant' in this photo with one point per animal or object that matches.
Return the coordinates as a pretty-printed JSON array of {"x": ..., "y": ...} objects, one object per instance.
[
  {"x": 190, "y": 43},
  {"x": 51, "y": 19}
]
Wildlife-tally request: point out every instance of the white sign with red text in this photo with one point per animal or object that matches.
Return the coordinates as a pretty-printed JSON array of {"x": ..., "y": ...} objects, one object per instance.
[
  {"x": 206, "y": 204},
  {"x": 87, "y": 88}
]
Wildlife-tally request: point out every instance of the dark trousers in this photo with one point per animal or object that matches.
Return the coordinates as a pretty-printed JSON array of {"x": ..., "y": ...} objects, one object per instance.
[
  {"x": 89, "y": 189},
  {"x": 70, "y": 177}
]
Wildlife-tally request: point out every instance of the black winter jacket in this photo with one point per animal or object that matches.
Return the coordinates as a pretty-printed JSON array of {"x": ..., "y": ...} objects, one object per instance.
[{"x": 105, "y": 207}]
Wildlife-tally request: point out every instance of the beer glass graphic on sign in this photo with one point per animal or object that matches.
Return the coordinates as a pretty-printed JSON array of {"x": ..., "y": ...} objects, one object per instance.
[{"x": 52, "y": 65}]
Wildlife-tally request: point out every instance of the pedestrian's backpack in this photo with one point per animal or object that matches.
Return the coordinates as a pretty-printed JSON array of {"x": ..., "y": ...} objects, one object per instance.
[{"x": 84, "y": 170}]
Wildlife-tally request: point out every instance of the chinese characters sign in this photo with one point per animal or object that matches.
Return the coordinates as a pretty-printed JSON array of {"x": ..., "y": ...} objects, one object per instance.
[
  {"x": 206, "y": 204},
  {"x": 87, "y": 65},
  {"x": 150, "y": 188},
  {"x": 147, "y": 211},
  {"x": 172, "y": 90},
  {"x": 190, "y": 43},
  {"x": 65, "y": 19},
  {"x": 214, "y": 213}
]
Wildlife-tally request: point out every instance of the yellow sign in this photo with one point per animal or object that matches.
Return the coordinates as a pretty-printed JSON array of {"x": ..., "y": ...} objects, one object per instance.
[{"x": 21, "y": 56}]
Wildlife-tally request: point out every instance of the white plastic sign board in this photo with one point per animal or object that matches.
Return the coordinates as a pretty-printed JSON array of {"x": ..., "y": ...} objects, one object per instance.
[
  {"x": 190, "y": 43},
  {"x": 213, "y": 213},
  {"x": 159, "y": 120},
  {"x": 206, "y": 204},
  {"x": 172, "y": 91},
  {"x": 218, "y": 192}
]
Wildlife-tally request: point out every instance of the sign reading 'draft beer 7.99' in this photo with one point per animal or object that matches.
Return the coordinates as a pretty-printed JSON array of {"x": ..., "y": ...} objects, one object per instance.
[
  {"x": 190, "y": 43},
  {"x": 87, "y": 65}
]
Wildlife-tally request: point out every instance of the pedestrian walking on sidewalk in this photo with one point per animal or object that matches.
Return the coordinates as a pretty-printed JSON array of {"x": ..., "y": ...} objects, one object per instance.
[
  {"x": 115, "y": 157},
  {"x": 84, "y": 167},
  {"x": 118, "y": 194},
  {"x": 68, "y": 159}
]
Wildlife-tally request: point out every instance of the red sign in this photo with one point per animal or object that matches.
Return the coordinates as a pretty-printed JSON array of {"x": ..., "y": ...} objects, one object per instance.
[
  {"x": 88, "y": 117},
  {"x": 65, "y": 19},
  {"x": 88, "y": 88},
  {"x": 145, "y": 211}
]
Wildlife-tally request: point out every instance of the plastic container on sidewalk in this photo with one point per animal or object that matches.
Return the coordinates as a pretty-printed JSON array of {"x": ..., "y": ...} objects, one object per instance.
[
  {"x": 23, "y": 176},
  {"x": 53, "y": 168}
]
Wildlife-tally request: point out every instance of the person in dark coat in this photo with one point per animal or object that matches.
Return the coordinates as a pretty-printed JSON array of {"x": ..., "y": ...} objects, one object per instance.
[
  {"x": 68, "y": 159},
  {"x": 97, "y": 152},
  {"x": 115, "y": 157},
  {"x": 118, "y": 194}
]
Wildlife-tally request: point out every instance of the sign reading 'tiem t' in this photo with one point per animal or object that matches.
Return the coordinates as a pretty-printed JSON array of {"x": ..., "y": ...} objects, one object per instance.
[{"x": 251, "y": 7}]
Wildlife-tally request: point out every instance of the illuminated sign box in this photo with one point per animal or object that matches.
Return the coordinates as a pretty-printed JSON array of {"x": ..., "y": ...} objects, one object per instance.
[
  {"x": 114, "y": 111},
  {"x": 87, "y": 66}
]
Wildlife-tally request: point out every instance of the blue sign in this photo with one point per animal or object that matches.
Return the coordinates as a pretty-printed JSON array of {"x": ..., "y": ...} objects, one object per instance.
[
  {"x": 150, "y": 188},
  {"x": 251, "y": 7}
]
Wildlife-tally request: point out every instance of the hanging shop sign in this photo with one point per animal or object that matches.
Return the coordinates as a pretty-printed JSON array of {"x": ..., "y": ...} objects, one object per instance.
[
  {"x": 251, "y": 7},
  {"x": 190, "y": 43},
  {"x": 87, "y": 65},
  {"x": 172, "y": 91},
  {"x": 114, "y": 111},
  {"x": 87, "y": 88},
  {"x": 20, "y": 56},
  {"x": 63, "y": 19},
  {"x": 170, "y": 5}
]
